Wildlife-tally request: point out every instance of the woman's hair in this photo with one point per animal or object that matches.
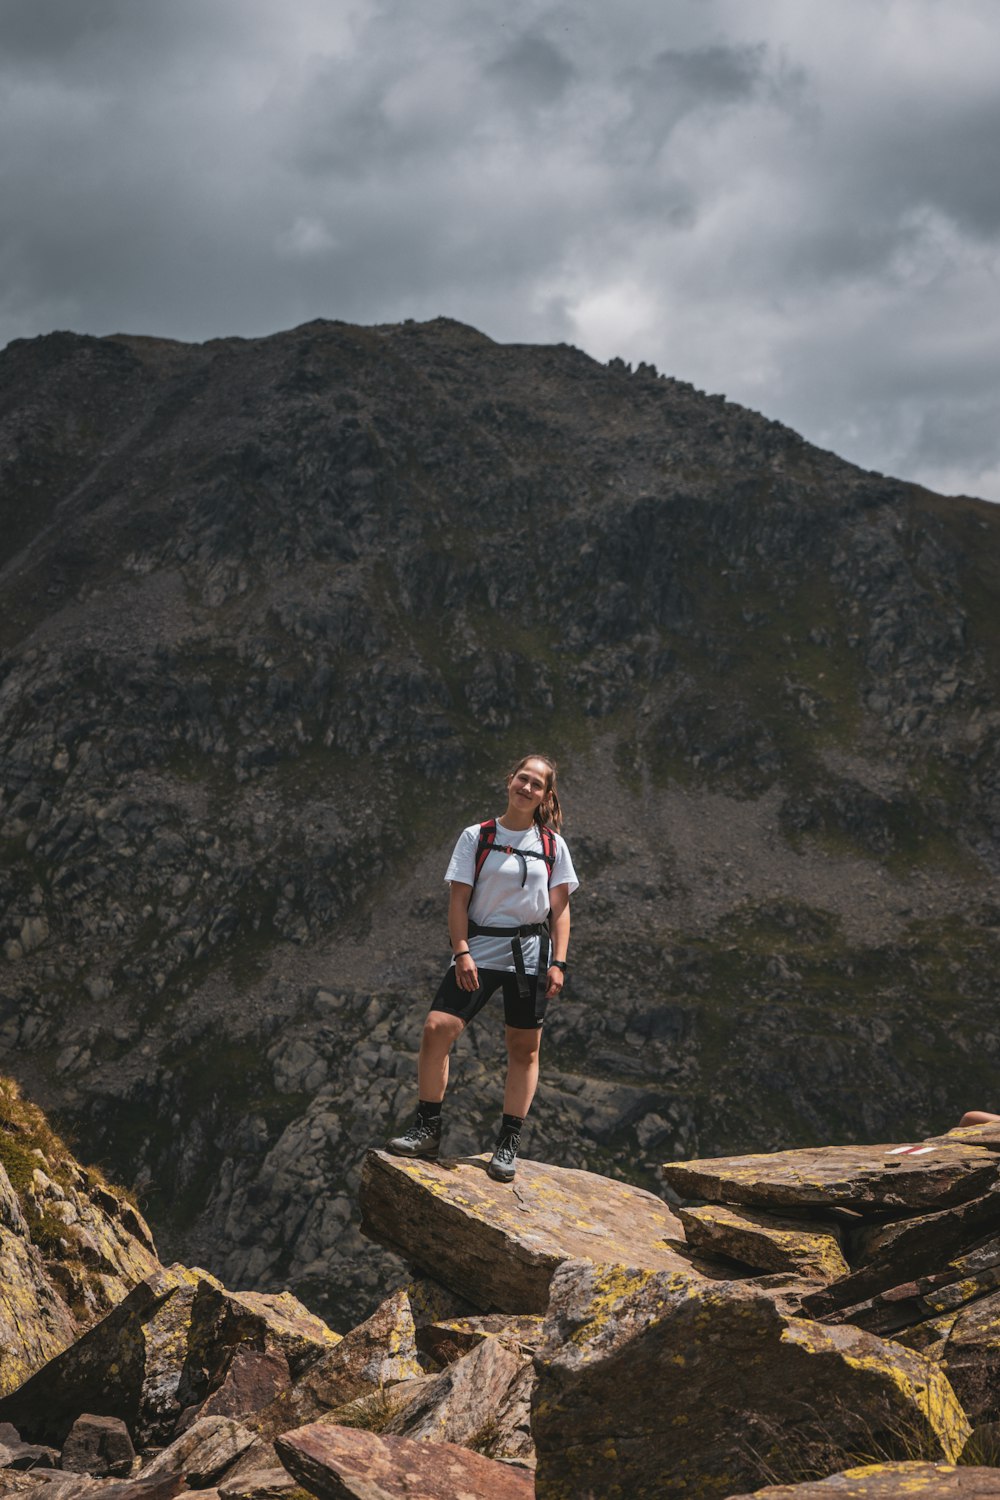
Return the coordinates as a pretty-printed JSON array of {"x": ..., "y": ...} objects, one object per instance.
[{"x": 548, "y": 811}]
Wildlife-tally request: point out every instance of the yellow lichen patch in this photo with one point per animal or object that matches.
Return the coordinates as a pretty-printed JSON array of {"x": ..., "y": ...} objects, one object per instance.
[
  {"x": 921, "y": 1387},
  {"x": 766, "y": 1241},
  {"x": 915, "y": 1467},
  {"x": 611, "y": 1285}
]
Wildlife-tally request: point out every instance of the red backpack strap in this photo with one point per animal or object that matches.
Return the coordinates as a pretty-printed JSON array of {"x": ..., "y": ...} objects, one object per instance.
[
  {"x": 549, "y": 848},
  {"x": 487, "y": 838}
]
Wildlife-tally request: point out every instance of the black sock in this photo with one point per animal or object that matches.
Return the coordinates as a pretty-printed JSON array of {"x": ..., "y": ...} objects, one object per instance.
[
  {"x": 428, "y": 1110},
  {"x": 512, "y": 1122}
]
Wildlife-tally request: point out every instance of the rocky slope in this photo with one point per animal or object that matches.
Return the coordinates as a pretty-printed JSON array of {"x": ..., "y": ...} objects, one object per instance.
[
  {"x": 276, "y": 614},
  {"x": 569, "y": 1336}
]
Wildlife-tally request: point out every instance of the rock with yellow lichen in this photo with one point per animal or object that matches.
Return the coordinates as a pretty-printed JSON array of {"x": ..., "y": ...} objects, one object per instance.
[
  {"x": 767, "y": 1242},
  {"x": 481, "y": 1401},
  {"x": 908, "y": 1480},
  {"x": 650, "y": 1382},
  {"x": 966, "y": 1344},
  {"x": 500, "y": 1247},
  {"x": 898, "y": 1178},
  {"x": 160, "y": 1354},
  {"x": 987, "y": 1135},
  {"x": 35, "y": 1323},
  {"x": 71, "y": 1246},
  {"x": 378, "y": 1354}
]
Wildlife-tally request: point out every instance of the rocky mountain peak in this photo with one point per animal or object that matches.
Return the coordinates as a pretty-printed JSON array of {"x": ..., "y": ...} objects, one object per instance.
[{"x": 278, "y": 613}]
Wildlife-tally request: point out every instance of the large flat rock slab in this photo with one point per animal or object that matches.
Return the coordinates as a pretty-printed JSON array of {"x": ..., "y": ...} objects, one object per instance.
[
  {"x": 899, "y": 1481},
  {"x": 500, "y": 1245},
  {"x": 338, "y": 1463},
  {"x": 930, "y": 1176}
]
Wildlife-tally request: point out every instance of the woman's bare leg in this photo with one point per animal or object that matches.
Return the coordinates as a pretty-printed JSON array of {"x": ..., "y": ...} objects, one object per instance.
[
  {"x": 522, "y": 1069},
  {"x": 977, "y": 1117},
  {"x": 441, "y": 1030}
]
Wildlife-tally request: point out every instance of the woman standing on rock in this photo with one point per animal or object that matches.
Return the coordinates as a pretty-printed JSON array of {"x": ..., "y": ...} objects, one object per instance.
[{"x": 511, "y": 879}]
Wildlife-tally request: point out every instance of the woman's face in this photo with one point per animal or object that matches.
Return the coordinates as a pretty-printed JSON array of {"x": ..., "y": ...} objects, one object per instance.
[{"x": 528, "y": 786}]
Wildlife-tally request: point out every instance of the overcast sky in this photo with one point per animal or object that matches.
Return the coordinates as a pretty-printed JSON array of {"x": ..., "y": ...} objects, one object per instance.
[{"x": 796, "y": 202}]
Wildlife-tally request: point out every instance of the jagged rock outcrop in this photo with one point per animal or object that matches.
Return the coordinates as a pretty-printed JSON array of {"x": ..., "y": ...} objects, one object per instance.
[
  {"x": 71, "y": 1247},
  {"x": 258, "y": 664},
  {"x": 922, "y": 1242},
  {"x": 695, "y": 1367},
  {"x": 766, "y": 1241},
  {"x": 161, "y": 1353}
]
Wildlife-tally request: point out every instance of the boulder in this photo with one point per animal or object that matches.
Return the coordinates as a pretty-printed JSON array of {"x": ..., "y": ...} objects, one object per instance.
[
  {"x": 273, "y": 1322},
  {"x": 49, "y": 1484},
  {"x": 337, "y": 1463},
  {"x": 253, "y": 1380},
  {"x": 379, "y": 1352},
  {"x": 499, "y": 1246},
  {"x": 166, "y": 1347},
  {"x": 28, "y": 1456},
  {"x": 200, "y": 1455},
  {"x": 964, "y": 1279},
  {"x": 649, "y": 1383},
  {"x": 987, "y": 1135},
  {"x": 966, "y": 1344},
  {"x": 481, "y": 1401},
  {"x": 765, "y": 1241},
  {"x": 864, "y": 1177},
  {"x": 100, "y": 1446},
  {"x": 891, "y": 1481}
]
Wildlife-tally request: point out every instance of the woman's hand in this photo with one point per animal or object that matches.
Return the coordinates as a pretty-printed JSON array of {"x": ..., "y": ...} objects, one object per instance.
[
  {"x": 555, "y": 984},
  {"x": 466, "y": 973}
]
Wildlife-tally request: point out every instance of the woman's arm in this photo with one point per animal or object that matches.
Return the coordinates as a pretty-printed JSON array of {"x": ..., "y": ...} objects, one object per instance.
[
  {"x": 559, "y": 929},
  {"x": 466, "y": 973}
]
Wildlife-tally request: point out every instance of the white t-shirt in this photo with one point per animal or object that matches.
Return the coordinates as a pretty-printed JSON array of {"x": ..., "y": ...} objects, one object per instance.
[{"x": 499, "y": 899}]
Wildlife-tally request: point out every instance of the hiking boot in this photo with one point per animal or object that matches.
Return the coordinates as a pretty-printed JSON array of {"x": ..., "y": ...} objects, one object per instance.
[
  {"x": 503, "y": 1163},
  {"x": 422, "y": 1139}
]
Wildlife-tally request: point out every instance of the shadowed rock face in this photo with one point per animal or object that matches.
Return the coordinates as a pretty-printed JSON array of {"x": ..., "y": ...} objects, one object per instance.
[
  {"x": 277, "y": 612},
  {"x": 162, "y": 1350},
  {"x": 652, "y": 1383}
]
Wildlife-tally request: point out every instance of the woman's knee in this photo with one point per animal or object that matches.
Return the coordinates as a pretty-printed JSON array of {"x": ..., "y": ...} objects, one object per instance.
[
  {"x": 441, "y": 1029},
  {"x": 523, "y": 1045}
]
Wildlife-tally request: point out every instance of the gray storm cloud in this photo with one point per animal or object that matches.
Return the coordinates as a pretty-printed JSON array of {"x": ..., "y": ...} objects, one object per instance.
[{"x": 791, "y": 202}]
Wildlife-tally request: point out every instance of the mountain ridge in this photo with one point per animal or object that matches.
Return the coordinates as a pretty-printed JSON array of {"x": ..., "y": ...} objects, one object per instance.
[{"x": 278, "y": 613}]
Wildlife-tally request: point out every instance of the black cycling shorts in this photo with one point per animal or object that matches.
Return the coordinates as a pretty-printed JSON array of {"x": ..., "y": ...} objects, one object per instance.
[{"x": 524, "y": 1014}]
